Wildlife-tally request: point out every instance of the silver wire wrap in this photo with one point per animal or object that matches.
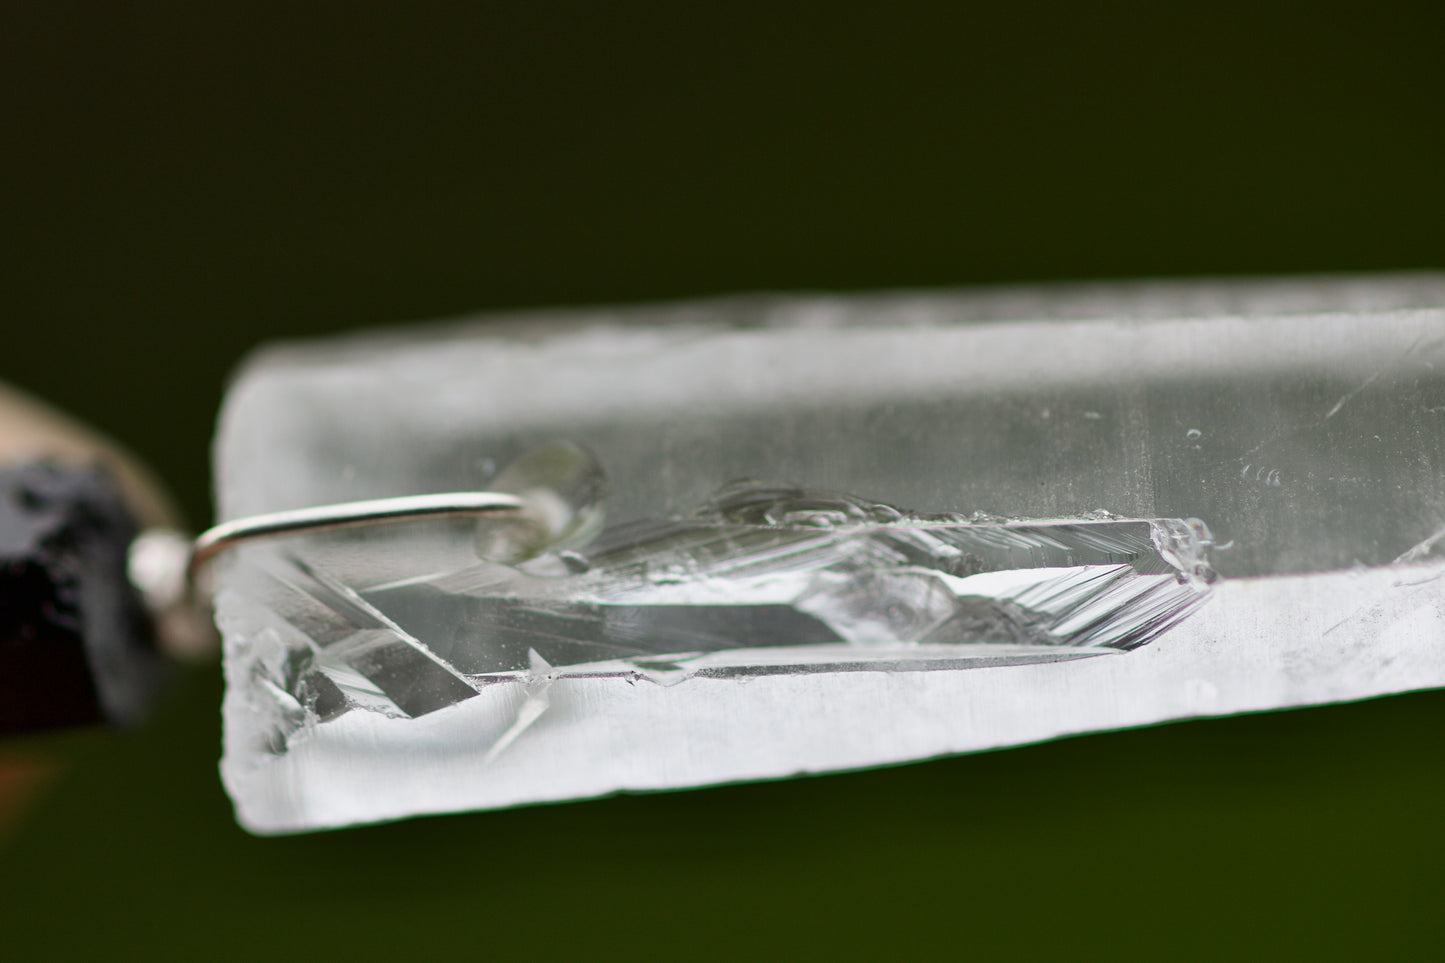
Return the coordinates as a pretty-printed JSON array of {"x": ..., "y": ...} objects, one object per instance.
[{"x": 379, "y": 511}]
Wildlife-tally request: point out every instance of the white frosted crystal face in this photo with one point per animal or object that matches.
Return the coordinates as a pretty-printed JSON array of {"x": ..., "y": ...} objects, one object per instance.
[{"x": 981, "y": 534}]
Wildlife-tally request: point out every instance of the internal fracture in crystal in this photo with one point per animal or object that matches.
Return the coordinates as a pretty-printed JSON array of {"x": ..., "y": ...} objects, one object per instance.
[
  {"x": 429, "y": 667},
  {"x": 760, "y": 579}
]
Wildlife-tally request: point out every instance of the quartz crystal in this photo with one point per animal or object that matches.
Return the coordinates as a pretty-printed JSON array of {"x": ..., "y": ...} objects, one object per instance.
[{"x": 769, "y": 536}]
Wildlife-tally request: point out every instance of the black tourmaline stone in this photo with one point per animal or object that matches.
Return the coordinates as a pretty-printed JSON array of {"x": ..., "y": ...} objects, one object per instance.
[{"x": 75, "y": 641}]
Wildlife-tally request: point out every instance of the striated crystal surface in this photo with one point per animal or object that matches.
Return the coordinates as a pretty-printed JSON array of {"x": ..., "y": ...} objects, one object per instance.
[
  {"x": 762, "y": 579},
  {"x": 1088, "y": 479}
]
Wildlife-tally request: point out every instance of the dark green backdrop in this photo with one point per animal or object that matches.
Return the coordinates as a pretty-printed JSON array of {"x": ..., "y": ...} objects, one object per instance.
[{"x": 179, "y": 181}]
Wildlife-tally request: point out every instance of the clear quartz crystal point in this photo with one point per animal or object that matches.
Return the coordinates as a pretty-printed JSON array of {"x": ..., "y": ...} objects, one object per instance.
[{"x": 933, "y": 573}]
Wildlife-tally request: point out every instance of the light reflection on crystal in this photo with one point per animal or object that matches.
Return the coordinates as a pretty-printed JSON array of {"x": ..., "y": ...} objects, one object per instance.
[
  {"x": 1302, "y": 420},
  {"x": 761, "y": 579},
  {"x": 565, "y": 492}
]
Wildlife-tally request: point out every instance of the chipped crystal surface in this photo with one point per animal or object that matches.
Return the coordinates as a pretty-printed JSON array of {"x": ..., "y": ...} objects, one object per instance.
[{"x": 1000, "y": 519}]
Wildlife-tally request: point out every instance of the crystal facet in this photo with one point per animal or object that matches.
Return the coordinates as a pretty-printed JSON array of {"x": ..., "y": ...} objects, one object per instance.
[
  {"x": 718, "y": 632},
  {"x": 763, "y": 579}
]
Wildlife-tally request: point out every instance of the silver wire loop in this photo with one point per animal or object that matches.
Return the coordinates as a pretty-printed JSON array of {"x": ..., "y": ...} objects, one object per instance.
[{"x": 379, "y": 511}]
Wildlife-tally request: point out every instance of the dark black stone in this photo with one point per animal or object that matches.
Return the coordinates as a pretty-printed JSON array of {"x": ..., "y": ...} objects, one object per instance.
[{"x": 75, "y": 642}]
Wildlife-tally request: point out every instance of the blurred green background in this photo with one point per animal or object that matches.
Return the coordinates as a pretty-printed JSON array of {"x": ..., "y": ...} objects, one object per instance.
[{"x": 181, "y": 181}]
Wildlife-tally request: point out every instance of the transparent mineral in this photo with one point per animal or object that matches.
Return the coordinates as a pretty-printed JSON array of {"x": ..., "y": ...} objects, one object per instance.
[{"x": 1002, "y": 517}]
